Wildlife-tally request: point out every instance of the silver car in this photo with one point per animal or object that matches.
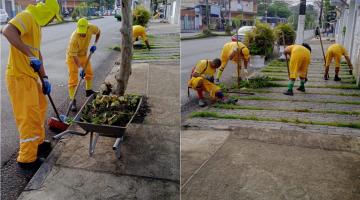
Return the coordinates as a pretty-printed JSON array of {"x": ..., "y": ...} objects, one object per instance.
[{"x": 4, "y": 17}]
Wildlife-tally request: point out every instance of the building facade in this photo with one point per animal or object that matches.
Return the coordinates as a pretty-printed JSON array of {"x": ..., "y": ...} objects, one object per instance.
[
  {"x": 221, "y": 12},
  {"x": 347, "y": 31}
]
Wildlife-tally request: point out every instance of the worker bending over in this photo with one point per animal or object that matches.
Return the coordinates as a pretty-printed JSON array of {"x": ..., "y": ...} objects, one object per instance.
[
  {"x": 25, "y": 64},
  {"x": 202, "y": 79},
  {"x": 76, "y": 57},
  {"x": 299, "y": 64},
  {"x": 336, "y": 51},
  {"x": 139, "y": 31},
  {"x": 235, "y": 51}
]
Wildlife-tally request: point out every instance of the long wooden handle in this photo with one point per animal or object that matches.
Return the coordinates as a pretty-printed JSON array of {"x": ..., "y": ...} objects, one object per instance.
[
  {"x": 49, "y": 96},
  {"x": 77, "y": 86}
]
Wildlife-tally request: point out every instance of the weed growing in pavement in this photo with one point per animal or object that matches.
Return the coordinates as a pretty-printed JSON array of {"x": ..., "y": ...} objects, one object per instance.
[
  {"x": 258, "y": 82},
  {"x": 230, "y": 106},
  {"x": 207, "y": 114},
  {"x": 257, "y": 98}
]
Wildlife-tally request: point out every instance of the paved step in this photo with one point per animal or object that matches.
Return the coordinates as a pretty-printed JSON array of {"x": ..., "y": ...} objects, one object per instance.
[
  {"x": 319, "y": 75},
  {"x": 315, "y": 117},
  {"x": 328, "y": 83},
  {"x": 346, "y": 79},
  {"x": 304, "y": 97},
  {"x": 325, "y": 91},
  {"x": 231, "y": 124},
  {"x": 291, "y": 105}
]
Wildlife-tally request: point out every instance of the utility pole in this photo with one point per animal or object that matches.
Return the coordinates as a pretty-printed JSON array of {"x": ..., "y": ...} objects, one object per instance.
[
  {"x": 301, "y": 22},
  {"x": 13, "y": 12},
  {"x": 266, "y": 10},
  {"x": 207, "y": 13},
  {"x": 230, "y": 23}
]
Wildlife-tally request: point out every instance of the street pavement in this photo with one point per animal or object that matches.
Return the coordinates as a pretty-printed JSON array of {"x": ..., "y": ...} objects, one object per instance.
[
  {"x": 191, "y": 52},
  {"x": 54, "y": 43}
]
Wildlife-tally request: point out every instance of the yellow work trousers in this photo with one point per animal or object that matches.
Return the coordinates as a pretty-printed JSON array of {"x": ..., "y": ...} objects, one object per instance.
[
  {"x": 298, "y": 66},
  {"x": 73, "y": 71},
  {"x": 329, "y": 56},
  {"x": 202, "y": 83},
  {"x": 29, "y": 107}
]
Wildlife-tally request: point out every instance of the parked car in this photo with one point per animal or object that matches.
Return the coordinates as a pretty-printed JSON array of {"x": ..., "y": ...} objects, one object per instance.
[
  {"x": 241, "y": 33},
  {"x": 4, "y": 17}
]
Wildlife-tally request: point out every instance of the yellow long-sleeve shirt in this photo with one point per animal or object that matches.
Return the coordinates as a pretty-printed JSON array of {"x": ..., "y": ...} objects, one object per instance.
[{"x": 78, "y": 46}]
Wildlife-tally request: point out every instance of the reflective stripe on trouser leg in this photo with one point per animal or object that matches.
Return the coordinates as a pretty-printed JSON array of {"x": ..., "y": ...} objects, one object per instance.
[{"x": 29, "y": 108}]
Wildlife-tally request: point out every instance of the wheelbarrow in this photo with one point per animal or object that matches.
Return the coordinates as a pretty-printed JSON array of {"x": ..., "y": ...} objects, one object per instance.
[{"x": 97, "y": 130}]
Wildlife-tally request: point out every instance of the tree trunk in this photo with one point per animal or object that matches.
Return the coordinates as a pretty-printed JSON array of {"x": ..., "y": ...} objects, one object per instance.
[{"x": 126, "y": 48}]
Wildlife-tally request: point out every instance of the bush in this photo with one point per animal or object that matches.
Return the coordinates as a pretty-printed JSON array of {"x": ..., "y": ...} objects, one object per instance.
[
  {"x": 228, "y": 29},
  {"x": 288, "y": 31},
  {"x": 80, "y": 11},
  {"x": 260, "y": 41},
  {"x": 141, "y": 16}
]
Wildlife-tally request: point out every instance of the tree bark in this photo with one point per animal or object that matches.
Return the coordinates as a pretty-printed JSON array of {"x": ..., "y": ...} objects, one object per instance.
[{"x": 126, "y": 49}]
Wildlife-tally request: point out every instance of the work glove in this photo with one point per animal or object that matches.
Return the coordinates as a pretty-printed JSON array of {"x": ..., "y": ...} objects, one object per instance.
[
  {"x": 35, "y": 63},
  {"x": 82, "y": 73},
  {"x": 46, "y": 86},
  {"x": 217, "y": 81},
  {"x": 350, "y": 72},
  {"x": 93, "y": 48}
]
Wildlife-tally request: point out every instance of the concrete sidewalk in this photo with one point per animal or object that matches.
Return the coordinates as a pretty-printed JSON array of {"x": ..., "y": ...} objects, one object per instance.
[
  {"x": 265, "y": 150},
  {"x": 149, "y": 166}
]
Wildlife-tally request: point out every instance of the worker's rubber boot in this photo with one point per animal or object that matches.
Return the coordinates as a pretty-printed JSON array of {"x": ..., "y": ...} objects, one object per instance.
[
  {"x": 301, "y": 89},
  {"x": 33, "y": 166},
  {"x": 289, "y": 92},
  {"x": 337, "y": 78},
  {"x": 44, "y": 149},
  {"x": 302, "y": 86},
  {"x": 73, "y": 106},
  {"x": 201, "y": 103},
  {"x": 290, "y": 88},
  {"x": 89, "y": 92},
  {"x": 326, "y": 77}
]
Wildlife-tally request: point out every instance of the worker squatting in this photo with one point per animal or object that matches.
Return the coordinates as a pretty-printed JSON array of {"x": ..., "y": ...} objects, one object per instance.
[
  {"x": 202, "y": 76},
  {"x": 25, "y": 65}
]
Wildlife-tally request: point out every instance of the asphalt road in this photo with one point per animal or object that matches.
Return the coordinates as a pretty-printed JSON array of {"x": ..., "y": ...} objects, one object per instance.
[
  {"x": 54, "y": 44},
  {"x": 191, "y": 52}
]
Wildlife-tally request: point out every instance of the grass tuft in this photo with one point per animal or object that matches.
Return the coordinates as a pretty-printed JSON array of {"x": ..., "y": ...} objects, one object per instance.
[{"x": 207, "y": 114}]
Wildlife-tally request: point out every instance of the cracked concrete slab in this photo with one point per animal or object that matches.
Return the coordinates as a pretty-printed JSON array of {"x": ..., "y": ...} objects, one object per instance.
[
  {"x": 196, "y": 148},
  {"x": 244, "y": 169},
  {"x": 75, "y": 184}
]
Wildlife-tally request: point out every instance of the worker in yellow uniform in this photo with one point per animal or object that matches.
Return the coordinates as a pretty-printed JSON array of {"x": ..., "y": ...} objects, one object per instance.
[
  {"x": 27, "y": 95},
  {"x": 235, "y": 51},
  {"x": 336, "y": 51},
  {"x": 298, "y": 66},
  {"x": 202, "y": 79},
  {"x": 76, "y": 57},
  {"x": 139, "y": 31}
]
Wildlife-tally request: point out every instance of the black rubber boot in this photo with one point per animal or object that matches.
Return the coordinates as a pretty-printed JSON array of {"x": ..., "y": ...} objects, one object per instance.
[
  {"x": 89, "y": 93},
  {"x": 326, "y": 77},
  {"x": 337, "y": 78},
  {"x": 73, "y": 106},
  {"x": 33, "y": 166},
  {"x": 202, "y": 103},
  {"x": 289, "y": 92},
  {"x": 302, "y": 89},
  {"x": 44, "y": 149}
]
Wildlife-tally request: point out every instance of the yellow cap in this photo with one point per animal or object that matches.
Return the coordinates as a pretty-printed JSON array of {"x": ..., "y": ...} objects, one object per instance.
[
  {"x": 82, "y": 25},
  {"x": 53, "y": 5}
]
